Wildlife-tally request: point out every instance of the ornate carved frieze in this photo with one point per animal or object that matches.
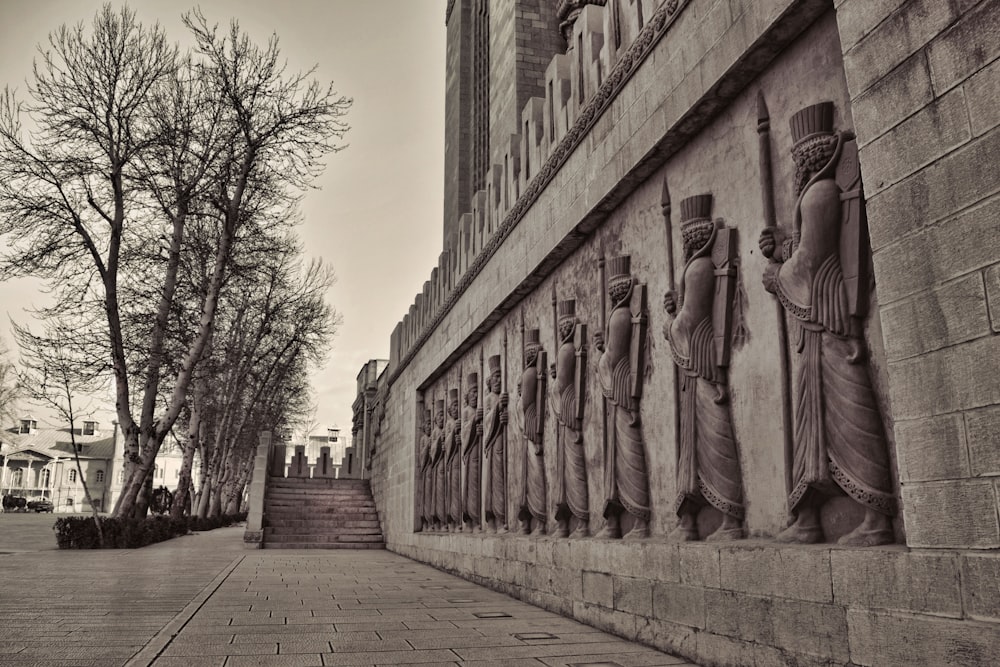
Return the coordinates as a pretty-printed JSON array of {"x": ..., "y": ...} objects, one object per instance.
[{"x": 819, "y": 274}]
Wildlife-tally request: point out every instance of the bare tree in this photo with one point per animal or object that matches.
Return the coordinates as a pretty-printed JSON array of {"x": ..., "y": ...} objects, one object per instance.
[
  {"x": 10, "y": 387},
  {"x": 133, "y": 144}
]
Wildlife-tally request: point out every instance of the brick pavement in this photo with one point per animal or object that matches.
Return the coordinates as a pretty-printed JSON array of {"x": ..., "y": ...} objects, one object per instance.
[{"x": 202, "y": 600}]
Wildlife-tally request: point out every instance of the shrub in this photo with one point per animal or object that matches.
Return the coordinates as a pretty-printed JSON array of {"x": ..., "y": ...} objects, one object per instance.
[{"x": 77, "y": 532}]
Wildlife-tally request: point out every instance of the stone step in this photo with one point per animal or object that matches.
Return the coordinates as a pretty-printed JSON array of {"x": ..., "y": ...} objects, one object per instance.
[
  {"x": 322, "y": 524},
  {"x": 299, "y": 482},
  {"x": 324, "y": 545},
  {"x": 282, "y": 532},
  {"x": 319, "y": 508},
  {"x": 309, "y": 538}
]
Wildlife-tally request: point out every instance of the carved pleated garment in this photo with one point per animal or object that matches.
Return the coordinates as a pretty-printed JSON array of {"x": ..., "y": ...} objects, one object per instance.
[
  {"x": 471, "y": 484},
  {"x": 708, "y": 466},
  {"x": 625, "y": 481},
  {"x": 441, "y": 489},
  {"x": 493, "y": 460},
  {"x": 838, "y": 430},
  {"x": 455, "y": 495},
  {"x": 572, "y": 473},
  {"x": 534, "y": 469}
]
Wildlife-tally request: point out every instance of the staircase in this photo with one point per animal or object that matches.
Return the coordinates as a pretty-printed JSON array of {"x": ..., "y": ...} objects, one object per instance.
[{"x": 302, "y": 513}]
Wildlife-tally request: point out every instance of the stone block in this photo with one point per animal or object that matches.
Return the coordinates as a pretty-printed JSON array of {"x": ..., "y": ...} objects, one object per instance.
[
  {"x": 981, "y": 586},
  {"x": 938, "y": 128},
  {"x": 981, "y": 93},
  {"x": 633, "y": 595},
  {"x": 598, "y": 589},
  {"x": 884, "y": 579},
  {"x": 992, "y": 279},
  {"x": 953, "y": 313},
  {"x": 811, "y": 628},
  {"x": 982, "y": 427},
  {"x": 617, "y": 622},
  {"x": 678, "y": 603},
  {"x": 957, "y": 514},
  {"x": 896, "y": 96},
  {"x": 970, "y": 44},
  {"x": 660, "y": 562},
  {"x": 698, "y": 564},
  {"x": 962, "y": 377},
  {"x": 747, "y": 617},
  {"x": 932, "y": 449},
  {"x": 942, "y": 189},
  {"x": 666, "y": 636},
  {"x": 796, "y": 572},
  {"x": 726, "y": 650},
  {"x": 882, "y": 639},
  {"x": 857, "y": 18},
  {"x": 895, "y": 39}
]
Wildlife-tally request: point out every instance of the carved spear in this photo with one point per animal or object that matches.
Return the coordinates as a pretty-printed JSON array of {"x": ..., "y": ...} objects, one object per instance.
[
  {"x": 604, "y": 331},
  {"x": 480, "y": 401},
  {"x": 770, "y": 222},
  {"x": 458, "y": 452},
  {"x": 666, "y": 209},
  {"x": 505, "y": 426}
]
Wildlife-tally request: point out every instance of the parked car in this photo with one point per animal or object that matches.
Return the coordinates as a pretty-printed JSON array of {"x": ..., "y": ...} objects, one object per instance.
[
  {"x": 14, "y": 503},
  {"x": 40, "y": 506}
]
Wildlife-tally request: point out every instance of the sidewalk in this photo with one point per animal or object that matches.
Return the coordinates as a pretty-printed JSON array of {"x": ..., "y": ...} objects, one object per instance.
[{"x": 295, "y": 608}]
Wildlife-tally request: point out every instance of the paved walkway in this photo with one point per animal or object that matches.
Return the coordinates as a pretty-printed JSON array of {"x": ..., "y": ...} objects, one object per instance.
[{"x": 202, "y": 600}]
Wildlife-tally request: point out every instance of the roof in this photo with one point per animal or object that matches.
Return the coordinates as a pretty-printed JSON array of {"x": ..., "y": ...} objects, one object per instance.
[{"x": 56, "y": 442}]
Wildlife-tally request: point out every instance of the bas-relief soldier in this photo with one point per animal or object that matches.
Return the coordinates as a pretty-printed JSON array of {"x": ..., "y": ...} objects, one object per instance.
[
  {"x": 426, "y": 472},
  {"x": 819, "y": 275},
  {"x": 532, "y": 511},
  {"x": 440, "y": 467},
  {"x": 568, "y": 371},
  {"x": 620, "y": 373},
  {"x": 708, "y": 467},
  {"x": 453, "y": 449},
  {"x": 472, "y": 441},
  {"x": 494, "y": 446}
]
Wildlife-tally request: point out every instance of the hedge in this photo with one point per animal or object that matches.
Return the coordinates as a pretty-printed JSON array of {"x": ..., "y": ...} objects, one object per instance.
[{"x": 78, "y": 532}]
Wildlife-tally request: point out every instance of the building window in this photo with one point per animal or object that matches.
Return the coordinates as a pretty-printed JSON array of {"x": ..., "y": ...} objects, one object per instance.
[
  {"x": 18, "y": 477},
  {"x": 158, "y": 472},
  {"x": 72, "y": 475},
  {"x": 46, "y": 477},
  {"x": 99, "y": 476},
  {"x": 27, "y": 425},
  {"x": 89, "y": 428},
  {"x": 69, "y": 502}
]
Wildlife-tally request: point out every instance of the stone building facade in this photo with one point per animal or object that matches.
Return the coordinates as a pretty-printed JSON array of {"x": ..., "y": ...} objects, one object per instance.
[{"x": 772, "y": 428}]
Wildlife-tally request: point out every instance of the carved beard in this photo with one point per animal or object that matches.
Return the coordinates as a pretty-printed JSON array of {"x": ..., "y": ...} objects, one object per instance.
[
  {"x": 472, "y": 398},
  {"x": 695, "y": 236},
  {"x": 529, "y": 357},
  {"x": 453, "y": 410},
  {"x": 619, "y": 291},
  {"x": 810, "y": 156},
  {"x": 565, "y": 329},
  {"x": 494, "y": 383}
]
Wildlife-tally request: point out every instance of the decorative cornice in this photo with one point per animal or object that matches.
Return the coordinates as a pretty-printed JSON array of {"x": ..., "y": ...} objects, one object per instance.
[{"x": 624, "y": 69}]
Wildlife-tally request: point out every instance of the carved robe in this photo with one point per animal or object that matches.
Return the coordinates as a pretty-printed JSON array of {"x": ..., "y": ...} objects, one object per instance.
[
  {"x": 440, "y": 475},
  {"x": 494, "y": 459},
  {"x": 708, "y": 467},
  {"x": 453, "y": 446},
  {"x": 472, "y": 454},
  {"x": 572, "y": 496},
  {"x": 426, "y": 479},
  {"x": 533, "y": 492},
  {"x": 839, "y": 436},
  {"x": 625, "y": 474}
]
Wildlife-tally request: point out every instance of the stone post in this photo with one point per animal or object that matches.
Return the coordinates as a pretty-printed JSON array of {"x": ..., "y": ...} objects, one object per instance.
[{"x": 253, "y": 538}]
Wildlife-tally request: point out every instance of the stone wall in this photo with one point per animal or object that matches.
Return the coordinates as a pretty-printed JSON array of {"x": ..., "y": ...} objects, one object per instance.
[{"x": 913, "y": 80}]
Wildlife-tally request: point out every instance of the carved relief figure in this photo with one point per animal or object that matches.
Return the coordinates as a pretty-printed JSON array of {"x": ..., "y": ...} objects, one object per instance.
[
  {"x": 819, "y": 275},
  {"x": 440, "y": 467},
  {"x": 708, "y": 466},
  {"x": 494, "y": 449},
  {"x": 426, "y": 472},
  {"x": 472, "y": 439},
  {"x": 453, "y": 448},
  {"x": 620, "y": 373},
  {"x": 569, "y": 373},
  {"x": 531, "y": 388}
]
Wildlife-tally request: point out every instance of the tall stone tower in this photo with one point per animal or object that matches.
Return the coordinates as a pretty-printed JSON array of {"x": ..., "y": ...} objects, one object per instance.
[{"x": 497, "y": 52}]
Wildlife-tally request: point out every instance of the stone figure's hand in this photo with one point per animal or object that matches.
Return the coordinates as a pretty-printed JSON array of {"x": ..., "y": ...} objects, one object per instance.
[
  {"x": 479, "y": 414},
  {"x": 479, "y": 428},
  {"x": 552, "y": 370},
  {"x": 599, "y": 340},
  {"x": 770, "y": 279},
  {"x": 518, "y": 387},
  {"x": 770, "y": 239},
  {"x": 670, "y": 302}
]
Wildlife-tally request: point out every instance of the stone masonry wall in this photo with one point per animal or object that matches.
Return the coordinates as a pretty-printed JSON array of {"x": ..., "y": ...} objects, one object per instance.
[{"x": 914, "y": 80}]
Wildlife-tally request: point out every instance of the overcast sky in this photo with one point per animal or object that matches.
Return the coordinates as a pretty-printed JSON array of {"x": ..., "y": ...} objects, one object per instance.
[{"x": 377, "y": 217}]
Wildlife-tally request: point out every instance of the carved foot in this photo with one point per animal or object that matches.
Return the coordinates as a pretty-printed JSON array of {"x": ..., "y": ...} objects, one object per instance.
[
  {"x": 801, "y": 534},
  {"x": 683, "y": 534},
  {"x": 638, "y": 532},
  {"x": 725, "y": 534},
  {"x": 580, "y": 532},
  {"x": 501, "y": 530},
  {"x": 876, "y": 529},
  {"x": 539, "y": 529},
  {"x": 561, "y": 530},
  {"x": 609, "y": 532}
]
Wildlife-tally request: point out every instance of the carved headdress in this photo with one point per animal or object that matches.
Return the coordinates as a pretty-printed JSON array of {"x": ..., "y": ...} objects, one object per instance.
[
  {"x": 472, "y": 380},
  {"x": 619, "y": 271},
  {"x": 696, "y": 222},
  {"x": 439, "y": 407},
  {"x": 494, "y": 364},
  {"x": 452, "y": 396},
  {"x": 532, "y": 343},
  {"x": 814, "y": 141}
]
